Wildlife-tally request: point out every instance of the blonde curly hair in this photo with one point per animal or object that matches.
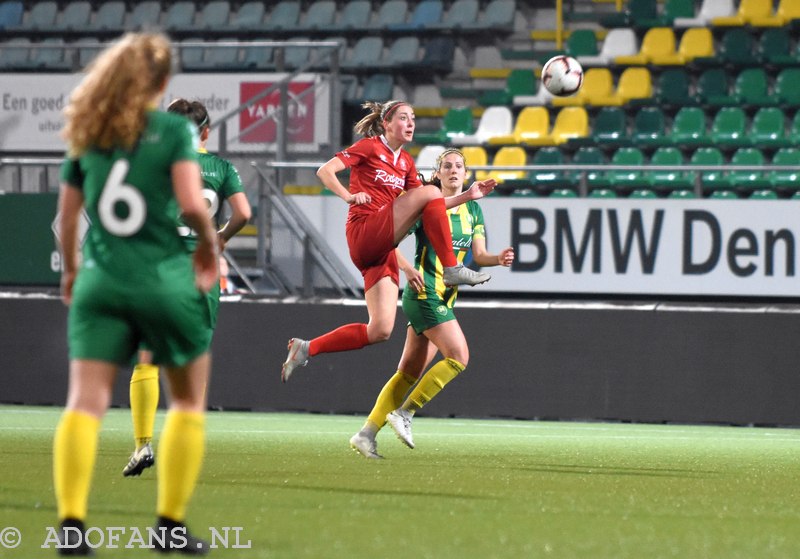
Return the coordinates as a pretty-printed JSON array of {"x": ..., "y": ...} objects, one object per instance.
[{"x": 108, "y": 108}]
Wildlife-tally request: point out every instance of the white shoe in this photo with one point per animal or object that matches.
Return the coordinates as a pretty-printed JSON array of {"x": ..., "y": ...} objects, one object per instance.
[
  {"x": 365, "y": 445},
  {"x": 461, "y": 275},
  {"x": 400, "y": 421},
  {"x": 298, "y": 357},
  {"x": 141, "y": 459}
]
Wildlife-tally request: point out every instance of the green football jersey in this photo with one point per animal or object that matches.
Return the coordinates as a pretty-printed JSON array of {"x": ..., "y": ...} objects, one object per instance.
[
  {"x": 130, "y": 202},
  {"x": 221, "y": 180},
  {"x": 466, "y": 224}
]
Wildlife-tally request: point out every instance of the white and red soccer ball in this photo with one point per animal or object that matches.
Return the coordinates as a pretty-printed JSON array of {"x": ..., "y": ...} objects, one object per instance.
[{"x": 562, "y": 75}]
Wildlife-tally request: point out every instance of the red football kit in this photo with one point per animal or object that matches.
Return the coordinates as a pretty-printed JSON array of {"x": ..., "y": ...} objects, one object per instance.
[{"x": 384, "y": 175}]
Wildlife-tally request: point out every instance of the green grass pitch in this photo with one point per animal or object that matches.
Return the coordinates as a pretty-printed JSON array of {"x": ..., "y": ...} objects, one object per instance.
[{"x": 471, "y": 489}]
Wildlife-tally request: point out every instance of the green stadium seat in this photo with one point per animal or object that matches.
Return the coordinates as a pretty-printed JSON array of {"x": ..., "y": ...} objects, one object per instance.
[
  {"x": 669, "y": 180},
  {"x": 638, "y": 13},
  {"x": 609, "y": 128},
  {"x": 563, "y": 193},
  {"x": 626, "y": 179},
  {"x": 520, "y": 81},
  {"x": 582, "y": 42},
  {"x": 590, "y": 155},
  {"x": 710, "y": 157},
  {"x": 673, "y": 88},
  {"x": 689, "y": 127},
  {"x": 643, "y": 193},
  {"x": 682, "y": 194},
  {"x": 775, "y": 47},
  {"x": 724, "y": 195},
  {"x": 713, "y": 88},
  {"x": 763, "y": 194},
  {"x": 649, "y": 127},
  {"x": 786, "y": 91},
  {"x": 602, "y": 193},
  {"x": 786, "y": 180},
  {"x": 748, "y": 180},
  {"x": 768, "y": 129},
  {"x": 751, "y": 87},
  {"x": 738, "y": 48},
  {"x": 546, "y": 178},
  {"x": 457, "y": 121},
  {"x": 729, "y": 127}
]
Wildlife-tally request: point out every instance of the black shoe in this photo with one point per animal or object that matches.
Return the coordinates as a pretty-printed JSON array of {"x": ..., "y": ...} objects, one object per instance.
[
  {"x": 171, "y": 536},
  {"x": 72, "y": 539}
]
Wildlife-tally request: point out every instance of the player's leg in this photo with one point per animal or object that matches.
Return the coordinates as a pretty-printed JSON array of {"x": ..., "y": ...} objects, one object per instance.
[
  {"x": 75, "y": 444},
  {"x": 450, "y": 340},
  {"x": 144, "y": 394},
  {"x": 427, "y": 202}
]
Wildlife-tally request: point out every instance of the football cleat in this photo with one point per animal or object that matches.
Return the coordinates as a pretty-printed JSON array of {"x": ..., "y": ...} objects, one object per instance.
[
  {"x": 141, "y": 459},
  {"x": 298, "y": 357},
  {"x": 400, "y": 422}
]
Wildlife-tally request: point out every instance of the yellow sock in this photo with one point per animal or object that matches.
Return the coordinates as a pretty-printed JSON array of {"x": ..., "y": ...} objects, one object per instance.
[
  {"x": 144, "y": 401},
  {"x": 180, "y": 455},
  {"x": 432, "y": 383},
  {"x": 74, "y": 453},
  {"x": 389, "y": 399}
]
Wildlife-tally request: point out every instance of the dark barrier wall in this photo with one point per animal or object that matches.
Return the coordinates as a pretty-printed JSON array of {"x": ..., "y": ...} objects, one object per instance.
[{"x": 557, "y": 362}]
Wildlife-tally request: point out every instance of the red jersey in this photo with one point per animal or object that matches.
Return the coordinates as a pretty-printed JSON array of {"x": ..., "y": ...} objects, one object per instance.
[{"x": 374, "y": 169}]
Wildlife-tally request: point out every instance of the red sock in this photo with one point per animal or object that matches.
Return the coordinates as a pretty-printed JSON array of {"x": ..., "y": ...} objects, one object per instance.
[
  {"x": 436, "y": 225},
  {"x": 344, "y": 338}
]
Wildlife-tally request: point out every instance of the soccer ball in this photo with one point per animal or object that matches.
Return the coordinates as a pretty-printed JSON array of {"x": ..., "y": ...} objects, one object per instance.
[{"x": 562, "y": 75}]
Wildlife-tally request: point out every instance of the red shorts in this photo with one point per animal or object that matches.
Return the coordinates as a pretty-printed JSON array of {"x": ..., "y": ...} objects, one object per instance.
[{"x": 370, "y": 238}]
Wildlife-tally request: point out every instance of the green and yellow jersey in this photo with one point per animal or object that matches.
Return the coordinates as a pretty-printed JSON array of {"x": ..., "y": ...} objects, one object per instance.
[{"x": 466, "y": 224}]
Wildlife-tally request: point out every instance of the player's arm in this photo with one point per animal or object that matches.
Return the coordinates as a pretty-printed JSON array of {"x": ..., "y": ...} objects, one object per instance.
[
  {"x": 240, "y": 215},
  {"x": 327, "y": 175},
  {"x": 413, "y": 277},
  {"x": 70, "y": 202},
  {"x": 187, "y": 184},
  {"x": 483, "y": 258},
  {"x": 477, "y": 190}
]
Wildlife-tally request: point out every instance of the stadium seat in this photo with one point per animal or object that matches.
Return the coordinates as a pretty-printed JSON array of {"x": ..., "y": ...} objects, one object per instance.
[
  {"x": 144, "y": 14},
  {"x": 582, "y": 42},
  {"x": 710, "y": 157},
  {"x": 787, "y": 11},
  {"x": 618, "y": 42},
  {"x": 460, "y": 15},
  {"x": 729, "y": 127},
  {"x": 625, "y": 180},
  {"x": 548, "y": 178},
  {"x": 256, "y": 57},
  {"x": 751, "y": 88},
  {"x": 426, "y": 14},
  {"x": 571, "y": 122},
  {"x": 775, "y": 47},
  {"x": 642, "y": 193},
  {"x": 767, "y": 130},
  {"x": 658, "y": 43},
  {"x": 219, "y": 56},
  {"x": 709, "y": 10},
  {"x": 748, "y": 11},
  {"x": 636, "y": 14},
  {"x": 355, "y": 16},
  {"x": 438, "y": 55},
  {"x": 763, "y": 194},
  {"x": 689, "y": 127},
  {"x": 179, "y": 16},
  {"x": 318, "y": 17},
  {"x": 74, "y": 16},
  {"x": 283, "y": 17},
  {"x": 426, "y": 158},
  {"x": 668, "y": 180},
  {"x": 476, "y": 156},
  {"x": 213, "y": 16},
  {"x": 682, "y": 194},
  {"x": 635, "y": 85},
  {"x": 786, "y": 180},
  {"x": 786, "y": 91},
  {"x": 697, "y": 42},
  {"x": 366, "y": 55},
  {"x": 520, "y": 81},
  {"x": 589, "y": 155},
  {"x": 609, "y": 128},
  {"x": 738, "y": 47},
  {"x": 50, "y": 55},
  {"x": 457, "y": 122},
  {"x": 41, "y": 16},
  {"x": 723, "y": 195},
  {"x": 88, "y": 49},
  {"x": 11, "y": 13},
  {"x": 713, "y": 89},
  {"x": 514, "y": 156},
  {"x": 672, "y": 88},
  {"x": 497, "y": 16},
  {"x": 390, "y": 13},
  {"x": 563, "y": 193},
  {"x": 672, "y": 10},
  {"x": 377, "y": 87},
  {"x": 649, "y": 127},
  {"x": 191, "y": 57},
  {"x": 602, "y": 193},
  {"x": 249, "y": 16},
  {"x": 495, "y": 121},
  {"x": 402, "y": 54},
  {"x": 532, "y": 127},
  {"x": 597, "y": 89},
  {"x": 110, "y": 16},
  {"x": 747, "y": 180}
]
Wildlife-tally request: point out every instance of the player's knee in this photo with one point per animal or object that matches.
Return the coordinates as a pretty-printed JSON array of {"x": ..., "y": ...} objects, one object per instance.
[{"x": 379, "y": 333}]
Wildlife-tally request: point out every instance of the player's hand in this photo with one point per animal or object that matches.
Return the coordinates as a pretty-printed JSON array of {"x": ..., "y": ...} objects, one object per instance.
[
  {"x": 414, "y": 279},
  {"x": 359, "y": 198},
  {"x": 506, "y": 257},
  {"x": 206, "y": 266},
  {"x": 479, "y": 189}
]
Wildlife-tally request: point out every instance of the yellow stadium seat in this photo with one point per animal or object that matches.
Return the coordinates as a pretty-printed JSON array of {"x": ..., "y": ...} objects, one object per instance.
[
  {"x": 748, "y": 11},
  {"x": 512, "y": 156},
  {"x": 532, "y": 123},
  {"x": 475, "y": 156},
  {"x": 571, "y": 122},
  {"x": 697, "y": 42},
  {"x": 635, "y": 83},
  {"x": 658, "y": 41},
  {"x": 597, "y": 83},
  {"x": 787, "y": 10}
]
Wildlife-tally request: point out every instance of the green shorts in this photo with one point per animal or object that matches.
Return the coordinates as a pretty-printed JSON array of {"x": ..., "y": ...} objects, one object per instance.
[
  {"x": 424, "y": 314},
  {"x": 109, "y": 322}
]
